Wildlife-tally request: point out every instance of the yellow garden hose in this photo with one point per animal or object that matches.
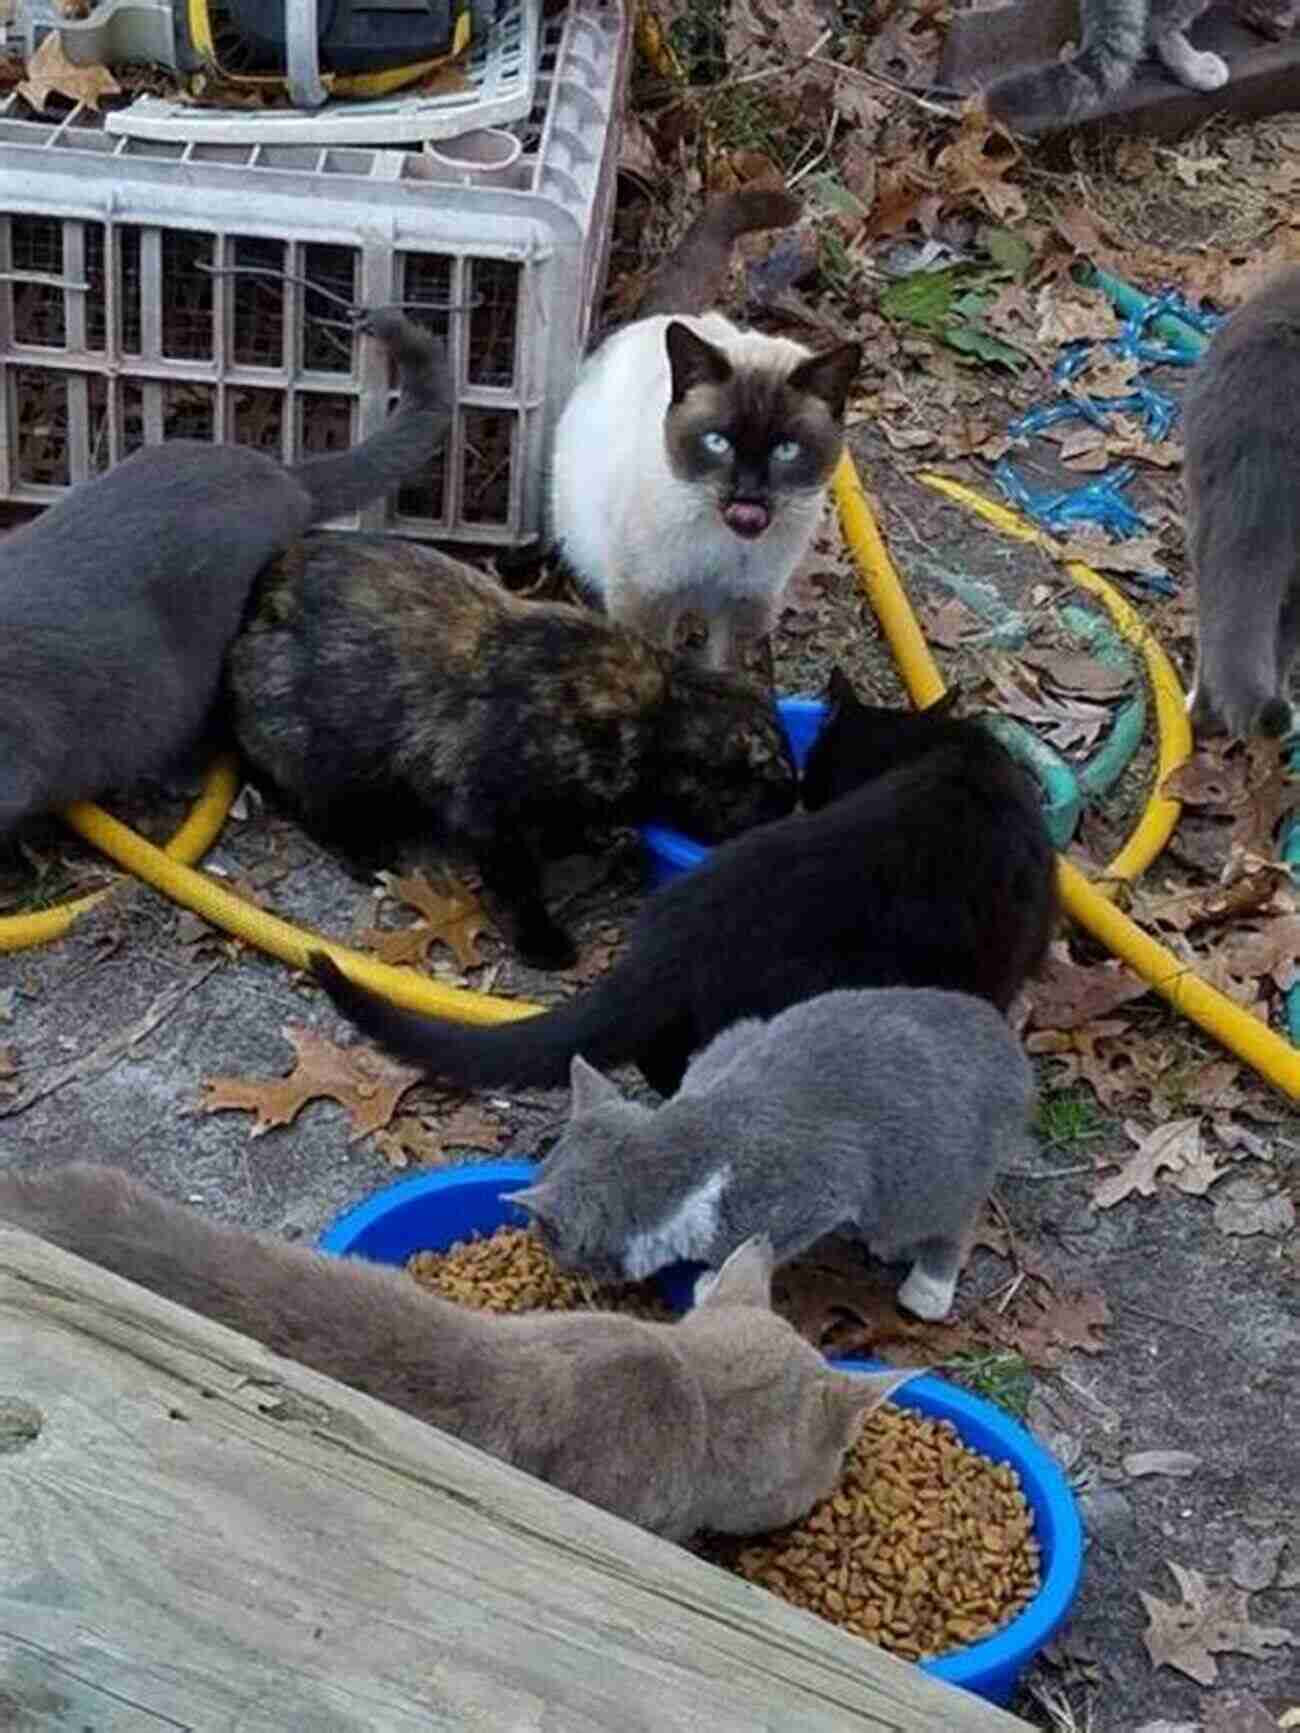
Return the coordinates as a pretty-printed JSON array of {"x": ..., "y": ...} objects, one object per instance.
[
  {"x": 194, "y": 890},
  {"x": 1266, "y": 1052},
  {"x": 191, "y": 842}
]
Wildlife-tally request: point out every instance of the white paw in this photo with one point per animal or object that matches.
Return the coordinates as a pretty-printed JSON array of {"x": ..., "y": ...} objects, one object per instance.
[
  {"x": 1205, "y": 71},
  {"x": 926, "y": 1297}
]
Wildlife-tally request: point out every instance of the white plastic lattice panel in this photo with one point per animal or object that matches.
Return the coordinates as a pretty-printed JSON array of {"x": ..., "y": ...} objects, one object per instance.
[{"x": 153, "y": 290}]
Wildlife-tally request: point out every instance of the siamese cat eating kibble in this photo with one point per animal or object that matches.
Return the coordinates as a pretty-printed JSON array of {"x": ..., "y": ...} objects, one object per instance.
[
  {"x": 691, "y": 462},
  {"x": 727, "y": 1420},
  {"x": 1116, "y": 34},
  {"x": 1241, "y": 477},
  {"x": 118, "y": 603},
  {"x": 887, "y": 1111},
  {"x": 392, "y": 692}
]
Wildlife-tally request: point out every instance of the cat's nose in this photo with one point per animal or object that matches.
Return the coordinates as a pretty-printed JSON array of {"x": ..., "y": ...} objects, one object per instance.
[{"x": 747, "y": 518}]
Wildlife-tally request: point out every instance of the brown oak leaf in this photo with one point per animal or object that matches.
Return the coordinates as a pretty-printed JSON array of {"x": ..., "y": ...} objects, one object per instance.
[
  {"x": 452, "y": 915},
  {"x": 1177, "y": 1146},
  {"x": 1080, "y": 675},
  {"x": 49, "y": 71},
  {"x": 1187, "y": 1635},
  {"x": 1042, "y": 1325},
  {"x": 1088, "y": 1053},
  {"x": 978, "y": 160},
  {"x": 425, "y": 1140},
  {"x": 843, "y": 1304},
  {"x": 1066, "y": 994},
  {"x": 1273, "y": 951},
  {"x": 368, "y": 1084}
]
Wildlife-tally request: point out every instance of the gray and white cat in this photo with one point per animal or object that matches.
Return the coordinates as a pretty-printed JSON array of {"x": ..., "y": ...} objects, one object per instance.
[
  {"x": 691, "y": 462},
  {"x": 118, "y": 603},
  {"x": 1116, "y": 34},
  {"x": 727, "y": 1420},
  {"x": 887, "y": 1111},
  {"x": 1241, "y": 477}
]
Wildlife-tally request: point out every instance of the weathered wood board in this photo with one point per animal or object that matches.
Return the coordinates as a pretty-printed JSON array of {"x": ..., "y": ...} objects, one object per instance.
[{"x": 195, "y": 1533}]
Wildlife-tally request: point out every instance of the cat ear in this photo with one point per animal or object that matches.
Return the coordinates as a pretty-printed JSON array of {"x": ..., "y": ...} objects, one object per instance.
[
  {"x": 590, "y": 1087},
  {"x": 943, "y": 705},
  {"x": 839, "y": 688},
  {"x": 851, "y": 1396},
  {"x": 536, "y": 1199},
  {"x": 829, "y": 376},
  {"x": 745, "y": 1279},
  {"x": 693, "y": 361}
]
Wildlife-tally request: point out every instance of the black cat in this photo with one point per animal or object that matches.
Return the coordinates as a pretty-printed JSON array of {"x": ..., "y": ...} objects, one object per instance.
[{"x": 937, "y": 872}]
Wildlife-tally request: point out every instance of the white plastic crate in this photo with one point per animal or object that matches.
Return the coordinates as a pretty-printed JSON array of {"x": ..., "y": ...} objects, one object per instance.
[
  {"x": 497, "y": 85},
  {"x": 120, "y": 324}
]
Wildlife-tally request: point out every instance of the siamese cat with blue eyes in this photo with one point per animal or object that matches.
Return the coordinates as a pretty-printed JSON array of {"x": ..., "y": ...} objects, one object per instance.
[{"x": 691, "y": 463}]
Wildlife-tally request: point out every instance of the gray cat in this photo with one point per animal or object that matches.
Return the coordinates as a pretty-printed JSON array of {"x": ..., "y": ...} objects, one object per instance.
[
  {"x": 1116, "y": 34},
  {"x": 1241, "y": 476},
  {"x": 887, "y": 1111},
  {"x": 118, "y": 603},
  {"x": 728, "y": 1420}
]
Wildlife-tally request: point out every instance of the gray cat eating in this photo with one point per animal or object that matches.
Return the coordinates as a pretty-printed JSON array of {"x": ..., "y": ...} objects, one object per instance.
[
  {"x": 887, "y": 1111},
  {"x": 727, "y": 1420},
  {"x": 118, "y": 603}
]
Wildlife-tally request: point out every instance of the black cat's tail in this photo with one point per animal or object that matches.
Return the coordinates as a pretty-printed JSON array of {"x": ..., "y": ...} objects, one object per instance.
[
  {"x": 609, "y": 1023},
  {"x": 692, "y": 279},
  {"x": 345, "y": 481},
  {"x": 1066, "y": 90}
]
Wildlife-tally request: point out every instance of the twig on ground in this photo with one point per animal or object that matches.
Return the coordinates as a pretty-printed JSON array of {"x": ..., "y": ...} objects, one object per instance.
[{"x": 107, "y": 1054}]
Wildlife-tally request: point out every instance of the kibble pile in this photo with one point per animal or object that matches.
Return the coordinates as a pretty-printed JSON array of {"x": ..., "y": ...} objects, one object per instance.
[
  {"x": 512, "y": 1271},
  {"x": 926, "y": 1546}
]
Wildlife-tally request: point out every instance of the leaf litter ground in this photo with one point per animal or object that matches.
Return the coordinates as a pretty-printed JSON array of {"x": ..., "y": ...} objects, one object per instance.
[{"x": 1132, "y": 1293}]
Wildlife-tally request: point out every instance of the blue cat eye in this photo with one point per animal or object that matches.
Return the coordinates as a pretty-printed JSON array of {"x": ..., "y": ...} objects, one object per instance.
[
  {"x": 787, "y": 451},
  {"x": 717, "y": 443}
]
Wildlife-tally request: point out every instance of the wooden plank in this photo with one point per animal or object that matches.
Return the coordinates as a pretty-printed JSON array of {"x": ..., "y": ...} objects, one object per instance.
[{"x": 201, "y": 1534}]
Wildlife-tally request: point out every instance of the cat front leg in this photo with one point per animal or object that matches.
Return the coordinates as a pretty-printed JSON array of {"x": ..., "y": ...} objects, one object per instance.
[
  {"x": 1197, "y": 70},
  {"x": 512, "y": 873},
  {"x": 932, "y": 1280}
]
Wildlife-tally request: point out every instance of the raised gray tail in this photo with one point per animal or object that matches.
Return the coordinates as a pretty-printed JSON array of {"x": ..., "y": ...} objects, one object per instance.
[
  {"x": 693, "y": 277},
  {"x": 1067, "y": 90},
  {"x": 407, "y": 441},
  {"x": 612, "y": 1021}
]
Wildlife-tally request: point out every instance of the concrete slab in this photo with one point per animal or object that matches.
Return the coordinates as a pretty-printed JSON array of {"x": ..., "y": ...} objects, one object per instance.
[{"x": 981, "y": 46}]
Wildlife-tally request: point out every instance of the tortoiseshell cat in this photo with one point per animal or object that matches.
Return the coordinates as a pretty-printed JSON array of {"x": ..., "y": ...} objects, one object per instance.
[{"x": 387, "y": 689}]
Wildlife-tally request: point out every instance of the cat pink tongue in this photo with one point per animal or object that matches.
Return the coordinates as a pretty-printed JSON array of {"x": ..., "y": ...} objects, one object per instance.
[{"x": 747, "y": 520}]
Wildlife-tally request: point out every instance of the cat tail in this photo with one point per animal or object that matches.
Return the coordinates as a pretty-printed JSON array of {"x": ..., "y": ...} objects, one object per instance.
[
  {"x": 693, "y": 277},
  {"x": 609, "y": 1023},
  {"x": 345, "y": 481},
  {"x": 1114, "y": 40}
]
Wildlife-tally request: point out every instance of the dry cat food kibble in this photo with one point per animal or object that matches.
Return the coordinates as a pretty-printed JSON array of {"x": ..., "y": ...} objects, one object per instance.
[
  {"x": 925, "y": 1547},
  {"x": 511, "y": 1271}
]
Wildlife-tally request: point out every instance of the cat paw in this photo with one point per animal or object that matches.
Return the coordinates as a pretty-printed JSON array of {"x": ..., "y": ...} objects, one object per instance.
[
  {"x": 925, "y": 1297},
  {"x": 546, "y": 947},
  {"x": 1207, "y": 72}
]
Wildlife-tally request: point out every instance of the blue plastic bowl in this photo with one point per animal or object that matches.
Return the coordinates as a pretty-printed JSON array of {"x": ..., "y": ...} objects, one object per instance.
[
  {"x": 431, "y": 1211},
  {"x": 670, "y": 852}
]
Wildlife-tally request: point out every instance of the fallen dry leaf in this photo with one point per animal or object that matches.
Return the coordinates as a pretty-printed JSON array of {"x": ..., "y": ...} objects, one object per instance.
[
  {"x": 1089, "y": 1053},
  {"x": 1187, "y": 1635},
  {"x": 1042, "y": 1325},
  {"x": 1177, "y": 1146},
  {"x": 1137, "y": 554},
  {"x": 1176, "y": 1462},
  {"x": 1080, "y": 675},
  {"x": 427, "y": 1139},
  {"x": 1273, "y": 951},
  {"x": 409, "y": 1142},
  {"x": 978, "y": 160},
  {"x": 368, "y": 1084},
  {"x": 1248, "y": 1207},
  {"x": 1066, "y": 994},
  {"x": 453, "y": 916},
  {"x": 1238, "y": 1712},
  {"x": 49, "y": 71}
]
